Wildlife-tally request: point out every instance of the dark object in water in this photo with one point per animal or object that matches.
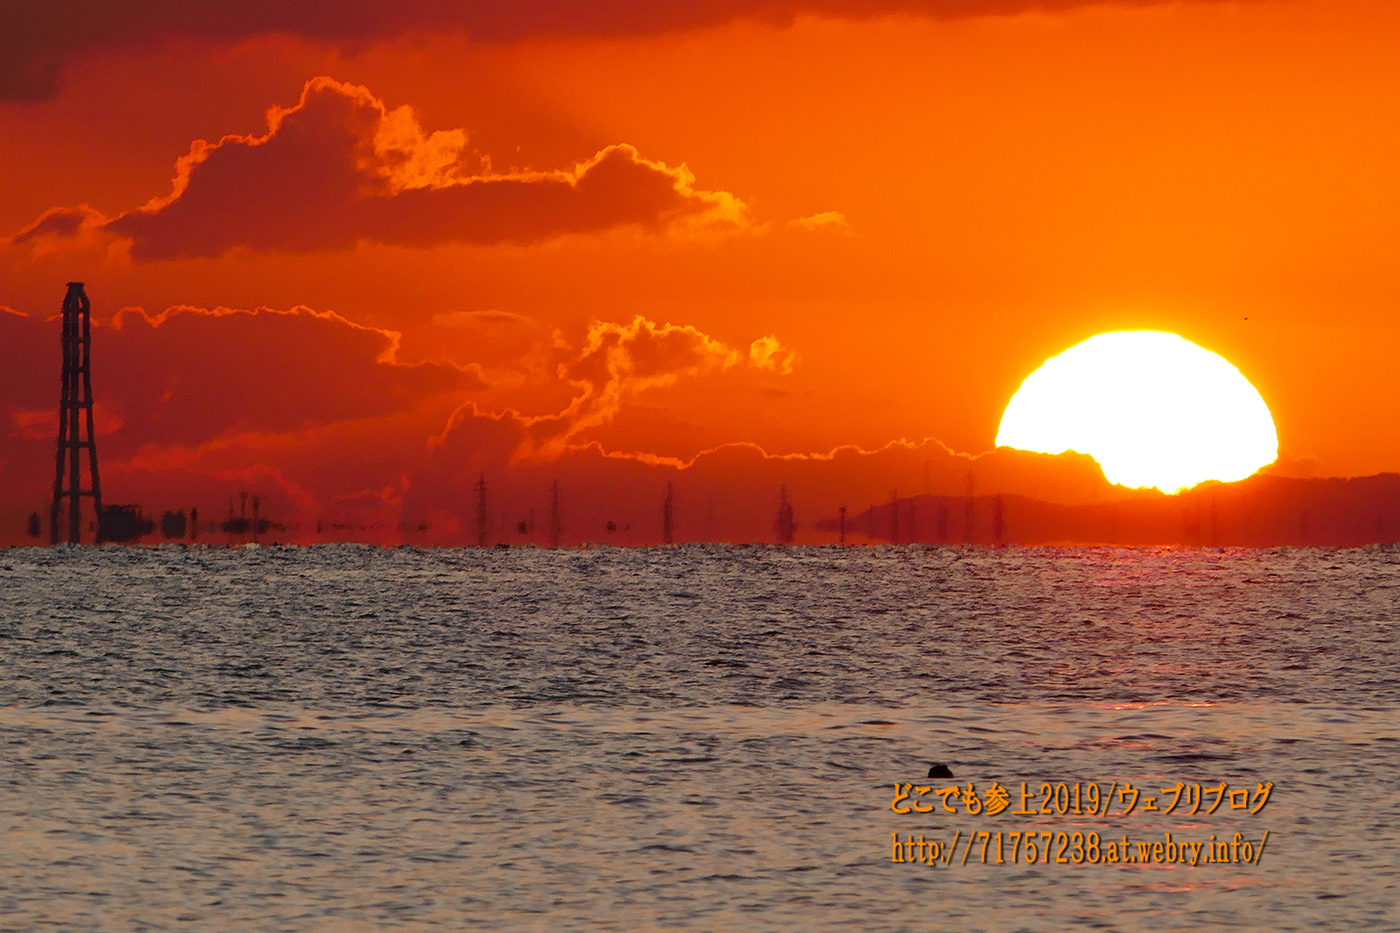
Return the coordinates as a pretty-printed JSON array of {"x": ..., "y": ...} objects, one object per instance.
[
  {"x": 123, "y": 523},
  {"x": 173, "y": 524},
  {"x": 939, "y": 770}
]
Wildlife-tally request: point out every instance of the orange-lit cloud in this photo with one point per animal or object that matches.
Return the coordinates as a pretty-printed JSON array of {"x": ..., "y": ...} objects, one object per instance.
[
  {"x": 827, "y": 220},
  {"x": 615, "y": 364},
  {"x": 61, "y": 222},
  {"x": 769, "y": 353},
  {"x": 620, "y": 361},
  {"x": 189, "y": 375},
  {"x": 340, "y": 167}
]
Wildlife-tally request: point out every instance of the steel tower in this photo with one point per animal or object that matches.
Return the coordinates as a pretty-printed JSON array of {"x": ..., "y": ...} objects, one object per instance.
[{"x": 75, "y": 414}]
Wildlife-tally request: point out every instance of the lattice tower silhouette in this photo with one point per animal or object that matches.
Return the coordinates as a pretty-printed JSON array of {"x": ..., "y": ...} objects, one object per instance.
[{"x": 75, "y": 432}]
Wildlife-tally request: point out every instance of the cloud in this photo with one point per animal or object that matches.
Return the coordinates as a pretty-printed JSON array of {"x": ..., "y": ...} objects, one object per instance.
[
  {"x": 190, "y": 372},
  {"x": 194, "y": 404},
  {"x": 340, "y": 167},
  {"x": 489, "y": 317},
  {"x": 187, "y": 375},
  {"x": 60, "y": 222},
  {"x": 614, "y": 364},
  {"x": 827, "y": 220},
  {"x": 62, "y": 228},
  {"x": 768, "y": 353},
  {"x": 36, "y": 38}
]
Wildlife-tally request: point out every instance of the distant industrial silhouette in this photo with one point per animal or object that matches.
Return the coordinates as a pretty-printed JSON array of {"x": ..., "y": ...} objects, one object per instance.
[
  {"x": 76, "y": 434},
  {"x": 1262, "y": 511},
  {"x": 237, "y": 524},
  {"x": 124, "y": 523},
  {"x": 668, "y": 527},
  {"x": 785, "y": 528},
  {"x": 172, "y": 524},
  {"x": 482, "y": 533},
  {"x": 75, "y": 417},
  {"x": 555, "y": 528},
  {"x": 240, "y": 525}
]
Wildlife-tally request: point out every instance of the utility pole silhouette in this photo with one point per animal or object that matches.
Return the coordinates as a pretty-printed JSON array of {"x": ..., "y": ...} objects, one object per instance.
[
  {"x": 75, "y": 413},
  {"x": 481, "y": 530},
  {"x": 970, "y": 508},
  {"x": 842, "y": 512},
  {"x": 894, "y": 517},
  {"x": 668, "y": 529},
  {"x": 554, "y": 526},
  {"x": 913, "y": 523},
  {"x": 785, "y": 527}
]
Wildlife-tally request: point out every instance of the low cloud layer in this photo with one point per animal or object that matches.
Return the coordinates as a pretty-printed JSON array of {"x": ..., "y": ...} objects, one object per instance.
[
  {"x": 340, "y": 167},
  {"x": 189, "y": 375},
  {"x": 318, "y": 414}
]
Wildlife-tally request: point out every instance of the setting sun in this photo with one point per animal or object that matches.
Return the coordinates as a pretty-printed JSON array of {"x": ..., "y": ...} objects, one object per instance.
[{"x": 1152, "y": 408}]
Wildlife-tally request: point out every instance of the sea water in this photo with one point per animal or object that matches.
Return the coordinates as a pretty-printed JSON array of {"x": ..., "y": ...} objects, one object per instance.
[{"x": 344, "y": 738}]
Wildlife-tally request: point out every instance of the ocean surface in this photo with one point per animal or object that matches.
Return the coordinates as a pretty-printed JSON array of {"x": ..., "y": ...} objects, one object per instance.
[{"x": 709, "y": 738}]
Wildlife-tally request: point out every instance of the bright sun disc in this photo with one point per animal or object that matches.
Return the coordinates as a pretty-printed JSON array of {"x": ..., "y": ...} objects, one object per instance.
[{"x": 1152, "y": 408}]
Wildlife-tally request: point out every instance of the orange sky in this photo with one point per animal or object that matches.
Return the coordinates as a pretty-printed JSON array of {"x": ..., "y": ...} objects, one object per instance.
[{"x": 840, "y": 223}]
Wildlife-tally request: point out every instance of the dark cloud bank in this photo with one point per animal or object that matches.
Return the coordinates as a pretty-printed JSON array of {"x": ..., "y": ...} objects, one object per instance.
[{"x": 36, "y": 38}]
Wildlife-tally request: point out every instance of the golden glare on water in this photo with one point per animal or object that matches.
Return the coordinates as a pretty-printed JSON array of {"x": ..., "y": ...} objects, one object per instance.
[{"x": 1152, "y": 408}]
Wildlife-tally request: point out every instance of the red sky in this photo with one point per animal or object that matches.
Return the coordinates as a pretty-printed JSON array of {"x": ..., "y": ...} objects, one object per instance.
[{"x": 349, "y": 259}]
